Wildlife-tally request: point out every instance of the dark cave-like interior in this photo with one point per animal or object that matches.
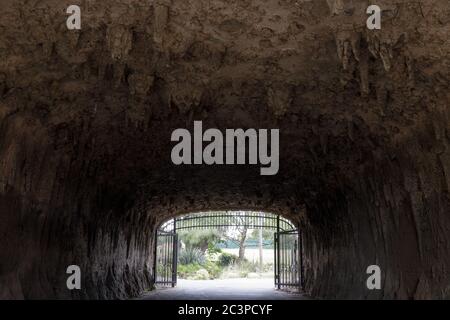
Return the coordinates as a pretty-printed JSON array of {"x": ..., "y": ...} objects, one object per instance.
[{"x": 86, "y": 118}]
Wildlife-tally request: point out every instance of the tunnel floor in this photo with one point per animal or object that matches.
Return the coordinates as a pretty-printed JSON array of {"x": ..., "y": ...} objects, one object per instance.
[{"x": 222, "y": 289}]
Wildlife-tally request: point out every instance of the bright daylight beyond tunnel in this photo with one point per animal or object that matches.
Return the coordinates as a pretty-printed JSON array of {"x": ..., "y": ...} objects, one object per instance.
[{"x": 228, "y": 255}]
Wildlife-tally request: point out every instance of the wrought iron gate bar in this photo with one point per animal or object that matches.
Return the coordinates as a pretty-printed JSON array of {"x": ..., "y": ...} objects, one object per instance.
[
  {"x": 166, "y": 258},
  {"x": 229, "y": 219},
  {"x": 287, "y": 259}
]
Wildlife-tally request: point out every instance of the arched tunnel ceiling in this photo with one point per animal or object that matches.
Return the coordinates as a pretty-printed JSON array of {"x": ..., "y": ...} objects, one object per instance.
[
  {"x": 86, "y": 118},
  {"x": 139, "y": 69}
]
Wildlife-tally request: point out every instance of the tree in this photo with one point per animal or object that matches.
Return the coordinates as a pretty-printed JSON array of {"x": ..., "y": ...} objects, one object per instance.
[
  {"x": 237, "y": 233},
  {"x": 200, "y": 239},
  {"x": 242, "y": 236}
]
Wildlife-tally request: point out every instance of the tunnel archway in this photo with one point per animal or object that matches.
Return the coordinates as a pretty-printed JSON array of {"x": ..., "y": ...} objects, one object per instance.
[{"x": 287, "y": 251}]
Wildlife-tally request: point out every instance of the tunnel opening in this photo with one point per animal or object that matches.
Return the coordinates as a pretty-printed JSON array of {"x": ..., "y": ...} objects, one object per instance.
[{"x": 227, "y": 254}]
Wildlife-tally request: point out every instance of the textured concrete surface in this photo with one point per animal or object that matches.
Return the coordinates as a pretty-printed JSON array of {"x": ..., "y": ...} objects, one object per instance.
[{"x": 224, "y": 289}]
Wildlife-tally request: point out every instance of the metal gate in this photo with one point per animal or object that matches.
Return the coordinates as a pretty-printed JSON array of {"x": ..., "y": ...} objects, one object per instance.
[
  {"x": 287, "y": 266},
  {"x": 166, "y": 258}
]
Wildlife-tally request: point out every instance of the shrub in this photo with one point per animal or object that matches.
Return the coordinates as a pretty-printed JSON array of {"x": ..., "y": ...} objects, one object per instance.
[
  {"x": 201, "y": 239},
  {"x": 213, "y": 269},
  {"x": 191, "y": 256},
  {"x": 212, "y": 249},
  {"x": 227, "y": 259},
  {"x": 209, "y": 270},
  {"x": 202, "y": 274},
  {"x": 186, "y": 271}
]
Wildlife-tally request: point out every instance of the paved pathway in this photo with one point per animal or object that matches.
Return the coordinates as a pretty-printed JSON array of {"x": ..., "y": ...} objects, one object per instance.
[{"x": 223, "y": 289}]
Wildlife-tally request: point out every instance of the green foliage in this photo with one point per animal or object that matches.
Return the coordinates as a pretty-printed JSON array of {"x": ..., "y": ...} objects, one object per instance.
[
  {"x": 202, "y": 274},
  {"x": 201, "y": 239},
  {"x": 194, "y": 265},
  {"x": 188, "y": 270},
  {"x": 213, "y": 269},
  {"x": 191, "y": 256},
  {"x": 201, "y": 257},
  {"x": 209, "y": 270},
  {"x": 227, "y": 259},
  {"x": 213, "y": 249}
]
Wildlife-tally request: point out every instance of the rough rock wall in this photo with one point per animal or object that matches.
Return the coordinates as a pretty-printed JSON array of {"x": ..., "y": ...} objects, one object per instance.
[
  {"x": 394, "y": 215},
  {"x": 394, "y": 209},
  {"x": 86, "y": 117},
  {"x": 55, "y": 214}
]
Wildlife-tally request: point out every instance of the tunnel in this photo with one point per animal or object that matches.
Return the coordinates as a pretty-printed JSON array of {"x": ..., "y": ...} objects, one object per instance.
[{"x": 87, "y": 117}]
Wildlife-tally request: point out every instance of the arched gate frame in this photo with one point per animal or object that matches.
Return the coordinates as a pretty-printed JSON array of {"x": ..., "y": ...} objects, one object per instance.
[{"x": 288, "y": 262}]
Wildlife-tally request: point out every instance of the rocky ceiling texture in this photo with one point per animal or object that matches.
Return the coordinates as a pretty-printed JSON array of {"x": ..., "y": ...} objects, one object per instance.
[{"x": 86, "y": 118}]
